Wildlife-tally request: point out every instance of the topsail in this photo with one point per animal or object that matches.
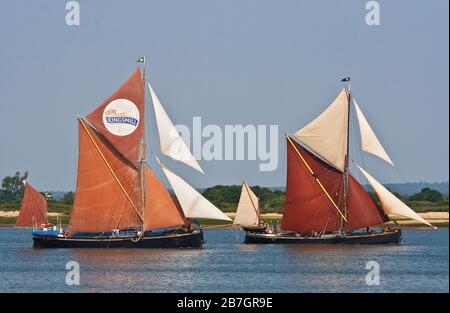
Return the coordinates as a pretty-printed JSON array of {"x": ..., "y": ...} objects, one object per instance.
[
  {"x": 120, "y": 119},
  {"x": 327, "y": 134}
]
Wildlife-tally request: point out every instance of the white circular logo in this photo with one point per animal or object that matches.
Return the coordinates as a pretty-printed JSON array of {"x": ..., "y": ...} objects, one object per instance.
[{"x": 121, "y": 117}]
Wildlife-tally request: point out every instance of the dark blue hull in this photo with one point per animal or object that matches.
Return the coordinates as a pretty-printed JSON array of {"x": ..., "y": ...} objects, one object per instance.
[
  {"x": 388, "y": 237},
  {"x": 192, "y": 239}
]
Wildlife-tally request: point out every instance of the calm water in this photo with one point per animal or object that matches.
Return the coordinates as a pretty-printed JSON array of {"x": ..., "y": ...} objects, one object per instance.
[{"x": 420, "y": 264}]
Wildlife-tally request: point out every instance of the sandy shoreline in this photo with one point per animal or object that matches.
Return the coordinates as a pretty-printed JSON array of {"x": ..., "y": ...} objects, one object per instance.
[
  {"x": 16, "y": 214},
  {"x": 437, "y": 218}
]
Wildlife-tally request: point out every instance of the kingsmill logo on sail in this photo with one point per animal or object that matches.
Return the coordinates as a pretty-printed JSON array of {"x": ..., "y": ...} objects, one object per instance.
[{"x": 121, "y": 117}]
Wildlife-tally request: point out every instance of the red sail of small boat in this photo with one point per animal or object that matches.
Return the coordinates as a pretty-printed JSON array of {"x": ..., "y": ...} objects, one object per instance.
[{"x": 33, "y": 211}]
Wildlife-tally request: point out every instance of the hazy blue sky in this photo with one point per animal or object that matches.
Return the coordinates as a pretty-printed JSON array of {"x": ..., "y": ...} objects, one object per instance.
[{"x": 230, "y": 62}]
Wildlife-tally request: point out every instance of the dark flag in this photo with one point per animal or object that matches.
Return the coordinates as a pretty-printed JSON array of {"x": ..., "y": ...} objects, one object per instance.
[
  {"x": 141, "y": 60},
  {"x": 345, "y": 79}
]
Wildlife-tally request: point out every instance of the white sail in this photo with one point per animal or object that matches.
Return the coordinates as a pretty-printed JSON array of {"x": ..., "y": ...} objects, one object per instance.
[
  {"x": 327, "y": 134},
  {"x": 248, "y": 208},
  {"x": 170, "y": 140},
  {"x": 390, "y": 203},
  {"x": 369, "y": 141},
  {"x": 194, "y": 205}
]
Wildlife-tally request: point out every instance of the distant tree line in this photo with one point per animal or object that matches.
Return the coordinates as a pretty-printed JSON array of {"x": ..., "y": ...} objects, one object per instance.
[{"x": 224, "y": 197}]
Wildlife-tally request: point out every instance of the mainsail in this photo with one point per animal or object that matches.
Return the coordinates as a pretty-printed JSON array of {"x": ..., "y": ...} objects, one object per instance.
[
  {"x": 390, "y": 203},
  {"x": 120, "y": 119},
  {"x": 33, "y": 210},
  {"x": 104, "y": 197},
  {"x": 161, "y": 209},
  {"x": 194, "y": 205},
  {"x": 370, "y": 142},
  {"x": 314, "y": 192},
  {"x": 170, "y": 140},
  {"x": 327, "y": 134},
  {"x": 248, "y": 208}
]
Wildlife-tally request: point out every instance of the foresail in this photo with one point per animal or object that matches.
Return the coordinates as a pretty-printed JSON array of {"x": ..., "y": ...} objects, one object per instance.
[
  {"x": 194, "y": 205},
  {"x": 327, "y": 134},
  {"x": 390, "y": 203},
  {"x": 248, "y": 208},
  {"x": 369, "y": 141},
  {"x": 161, "y": 209},
  {"x": 33, "y": 211},
  {"x": 120, "y": 119},
  {"x": 170, "y": 140}
]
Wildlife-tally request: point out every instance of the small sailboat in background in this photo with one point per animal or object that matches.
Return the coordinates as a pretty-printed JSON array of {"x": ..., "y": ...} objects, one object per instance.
[
  {"x": 247, "y": 213},
  {"x": 119, "y": 201},
  {"x": 324, "y": 202},
  {"x": 33, "y": 210}
]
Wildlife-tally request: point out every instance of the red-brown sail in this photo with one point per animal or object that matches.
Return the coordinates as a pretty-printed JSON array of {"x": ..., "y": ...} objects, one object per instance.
[
  {"x": 120, "y": 119},
  {"x": 102, "y": 199},
  {"x": 307, "y": 209},
  {"x": 161, "y": 210},
  {"x": 362, "y": 211},
  {"x": 33, "y": 211}
]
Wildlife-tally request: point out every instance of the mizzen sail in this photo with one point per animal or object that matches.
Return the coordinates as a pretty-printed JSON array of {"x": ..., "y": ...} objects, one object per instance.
[
  {"x": 194, "y": 205},
  {"x": 370, "y": 142},
  {"x": 33, "y": 210},
  {"x": 105, "y": 195},
  {"x": 247, "y": 213},
  {"x": 390, "y": 203},
  {"x": 327, "y": 134},
  {"x": 170, "y": 140},
  {"x": 120, "y": 119}
]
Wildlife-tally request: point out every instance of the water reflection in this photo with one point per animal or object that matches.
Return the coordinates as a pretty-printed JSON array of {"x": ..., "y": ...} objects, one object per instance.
[{"x": 225, "y": 264}]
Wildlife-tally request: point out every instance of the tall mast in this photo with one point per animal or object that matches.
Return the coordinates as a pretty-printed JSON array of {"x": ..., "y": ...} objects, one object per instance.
[
  {"x": 347, "y": 154},
  {"x": 142, "y": 154}
]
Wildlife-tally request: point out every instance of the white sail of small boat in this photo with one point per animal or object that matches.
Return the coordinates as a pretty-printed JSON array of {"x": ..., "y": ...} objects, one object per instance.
[
  {"x": 390, "y": 203},
  {"x": 194, "y": 205},
  {"x": 327, "y": 134},
  {"x": 247, "y": 213},
  {"x": 171, "y": 143},
  {"x": 370, "y": 142}
]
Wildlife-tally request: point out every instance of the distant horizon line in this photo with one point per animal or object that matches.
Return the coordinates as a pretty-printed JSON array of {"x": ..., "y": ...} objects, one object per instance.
[{"x": 284, "y": 187}]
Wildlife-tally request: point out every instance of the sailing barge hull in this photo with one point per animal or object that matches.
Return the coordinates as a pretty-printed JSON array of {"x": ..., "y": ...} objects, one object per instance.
[
  {"x": 187, "y": 240},
  {"x": 391, "y": 237}
]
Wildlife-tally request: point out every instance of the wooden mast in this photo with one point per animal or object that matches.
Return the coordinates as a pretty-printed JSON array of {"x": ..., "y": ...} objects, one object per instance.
[
  {"x": 346, "y": 163},
  {"x": 142, "y": 154}
]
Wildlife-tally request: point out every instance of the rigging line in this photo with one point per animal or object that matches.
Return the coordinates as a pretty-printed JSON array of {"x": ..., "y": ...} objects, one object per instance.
[
  {"x": 109, "y": 168},
  {"x": 316, "y": 178}
]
